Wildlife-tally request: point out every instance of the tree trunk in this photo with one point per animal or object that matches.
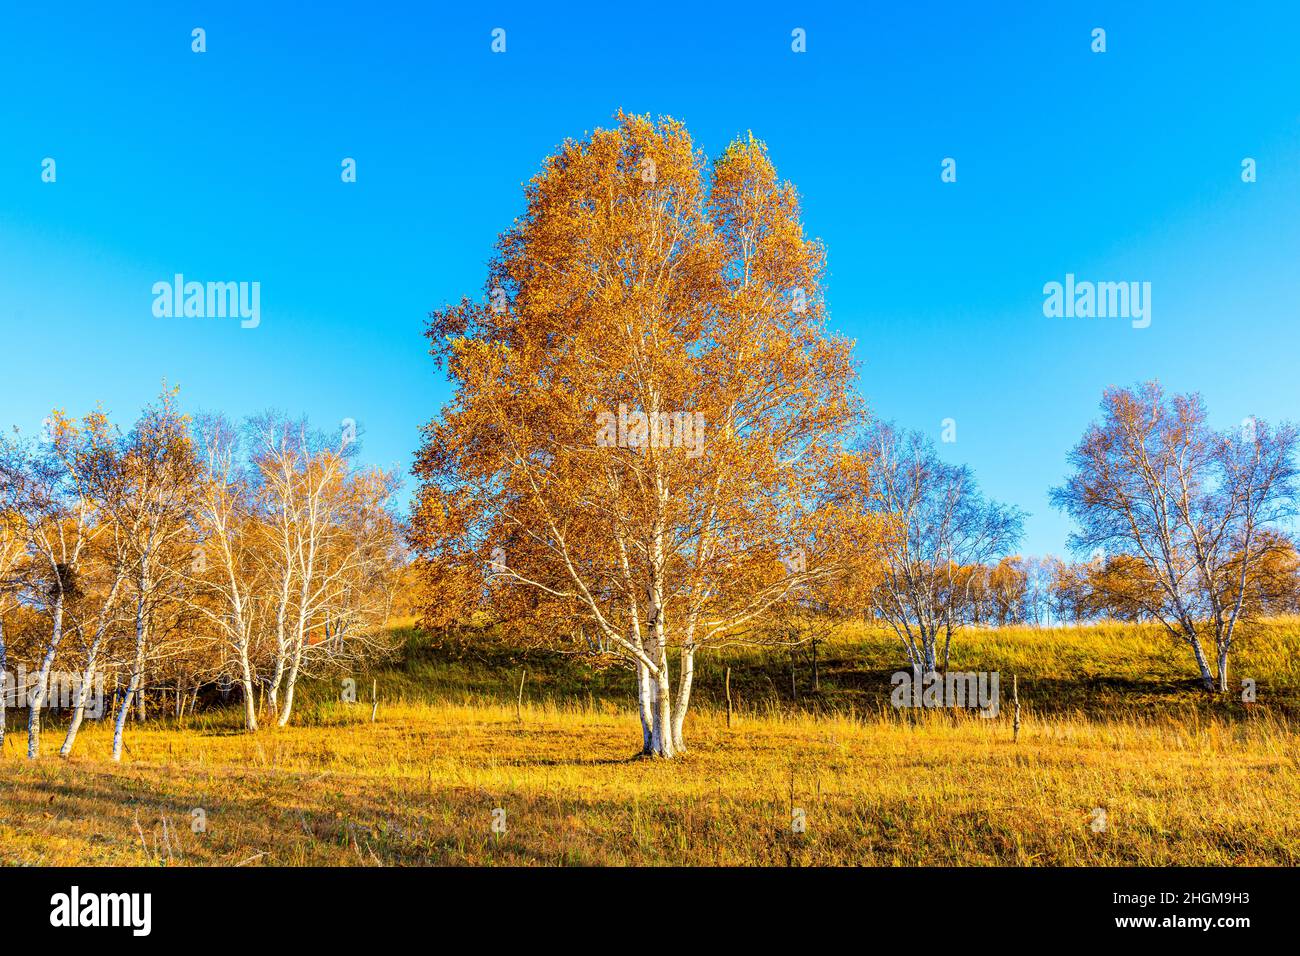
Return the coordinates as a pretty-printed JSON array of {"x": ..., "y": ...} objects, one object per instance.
[
  {"x": 300, "y": 637},
  {"x": 36, "y": 699},
  {"x": 273, "y": 692},
  {"x": 250, "y": 712},
  {"x": 661, "y": 742},
  {"x": 929, "y": 640},
  {"x": 4, "y": 684},
  {"x": 88, "y": 675},
  {"x": 1206, "y": 677},
  {"x": 123, "y": 710},
  {"x": 644, "y": 697},
  {"x": 281, "y": 650},
  {"x": 683, "y": 696},
  {"x": 79, "y": 711},
  {"x": 246, "y": 682},
  {"x": 1223, "y": 668},
  {"x": 300, "y": 631},
  {"x": 137, "y": 671},
  {"x": 291, "y": 684}
]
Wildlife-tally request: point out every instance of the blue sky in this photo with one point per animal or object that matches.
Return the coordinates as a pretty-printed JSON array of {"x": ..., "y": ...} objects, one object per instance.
[{"x": 1122, "y": 166}]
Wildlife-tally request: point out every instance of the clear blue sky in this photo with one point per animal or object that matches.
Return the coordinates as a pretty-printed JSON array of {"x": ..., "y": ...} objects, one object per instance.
[{"x": 225, "y": 166}]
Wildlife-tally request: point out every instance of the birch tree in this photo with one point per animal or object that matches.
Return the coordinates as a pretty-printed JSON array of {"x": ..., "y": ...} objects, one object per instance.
[
  {"x": 302, "y": 485},
  {"x": 13, "y": 546},
  {"x": 96, "y": 614},
  {"x": 277, "y": 453},
  {"x": 329, "y": 540},
  {"x": 650, "y": 411},
  {"x": 225, "y": 567},
  {"x": 144, "y": 484},
  {"x": 53, "y": 521},
  {"x": 1197, "y": 511},
  {"x": 939, "y": 528}
]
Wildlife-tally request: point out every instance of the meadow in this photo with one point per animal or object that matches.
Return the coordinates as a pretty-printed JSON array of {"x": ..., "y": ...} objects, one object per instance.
[{"x": 1112, "y": 721}]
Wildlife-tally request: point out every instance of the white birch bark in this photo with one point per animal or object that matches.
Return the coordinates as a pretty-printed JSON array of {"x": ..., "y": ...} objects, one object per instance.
[
  {"x": 92, "y": 660},
  {"x": 36, "y": 698},
  {"x": 1202, "y": 664},
  {"x": 645, "y": 698},
  {"x": 137, "y": 669},
  {"x": 683, "y": 696},
  {"x": 4, "y": 676}
]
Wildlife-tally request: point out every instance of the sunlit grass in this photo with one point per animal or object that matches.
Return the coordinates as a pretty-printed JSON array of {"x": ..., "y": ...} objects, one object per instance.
[{"x": 1181, "y": 781}]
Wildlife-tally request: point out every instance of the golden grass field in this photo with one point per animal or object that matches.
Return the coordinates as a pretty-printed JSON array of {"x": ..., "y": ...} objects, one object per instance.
[{"x": 1111, "y": 720}]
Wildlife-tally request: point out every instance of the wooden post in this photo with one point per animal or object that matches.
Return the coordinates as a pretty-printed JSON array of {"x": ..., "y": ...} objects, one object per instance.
[
  {"x": 728, "y": 687},
  {"x": 519, "y": 698},
  {"x": 374, "y": 698},
  {"x": 1015, "y": 701}
]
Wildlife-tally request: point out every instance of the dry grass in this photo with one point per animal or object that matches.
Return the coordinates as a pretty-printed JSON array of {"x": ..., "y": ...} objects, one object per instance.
[{"x": 1181, "y": 783}]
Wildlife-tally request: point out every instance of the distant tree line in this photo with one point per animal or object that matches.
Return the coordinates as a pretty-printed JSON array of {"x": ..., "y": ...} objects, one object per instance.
[{"x": 1043, "y": 591}]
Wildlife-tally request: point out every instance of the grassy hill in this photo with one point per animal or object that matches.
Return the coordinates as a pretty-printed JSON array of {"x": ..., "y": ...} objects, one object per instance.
[
  {"x": 1112, "y": 721},
  {"x": 1100, "y": 671}
]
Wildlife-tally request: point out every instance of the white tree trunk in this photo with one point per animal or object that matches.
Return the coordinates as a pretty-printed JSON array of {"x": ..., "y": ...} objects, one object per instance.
[
  {"x": 137, "y": 671},
  {"x": 299, "y": 637},
  {"x": 683, "y": 697},
  {"x": 930, "y": 639},
  {"x": 79, "y": 710},
  {"x": 290, "y": 685},
  {"x": 36, "y": 699},
  {"x": 281, "y": 647},
  {"x": 124, "y": 708},
  {"x": 4, "y": 675},
  {"x": 644, "y": 699},
  {"x": 1206, "y": 677},
  {"x": 1223, "y": 668},
  {"x": 661, "y": 737},
  {"x": 88, "y": 675},
  {"x": 246, "y": 679},
  {"x": 241, "y": 631}
]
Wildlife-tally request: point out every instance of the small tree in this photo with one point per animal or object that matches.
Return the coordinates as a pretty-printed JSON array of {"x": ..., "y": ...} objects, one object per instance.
[
  {"x": 13, "y": 555},
  {"x": 144, "y": 484},
  {"x": 53, "y": 521},
  {"x": 1196, "y": 511},
  {"x": 327, "y": 548},
  {"x": 95, "y": 614},
  {"x": 226, "y": 568},
  {"x": 1008, "y": 586},
  {"x": 941, "y": 528},
  {"x": 1066, "y": 590}
]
